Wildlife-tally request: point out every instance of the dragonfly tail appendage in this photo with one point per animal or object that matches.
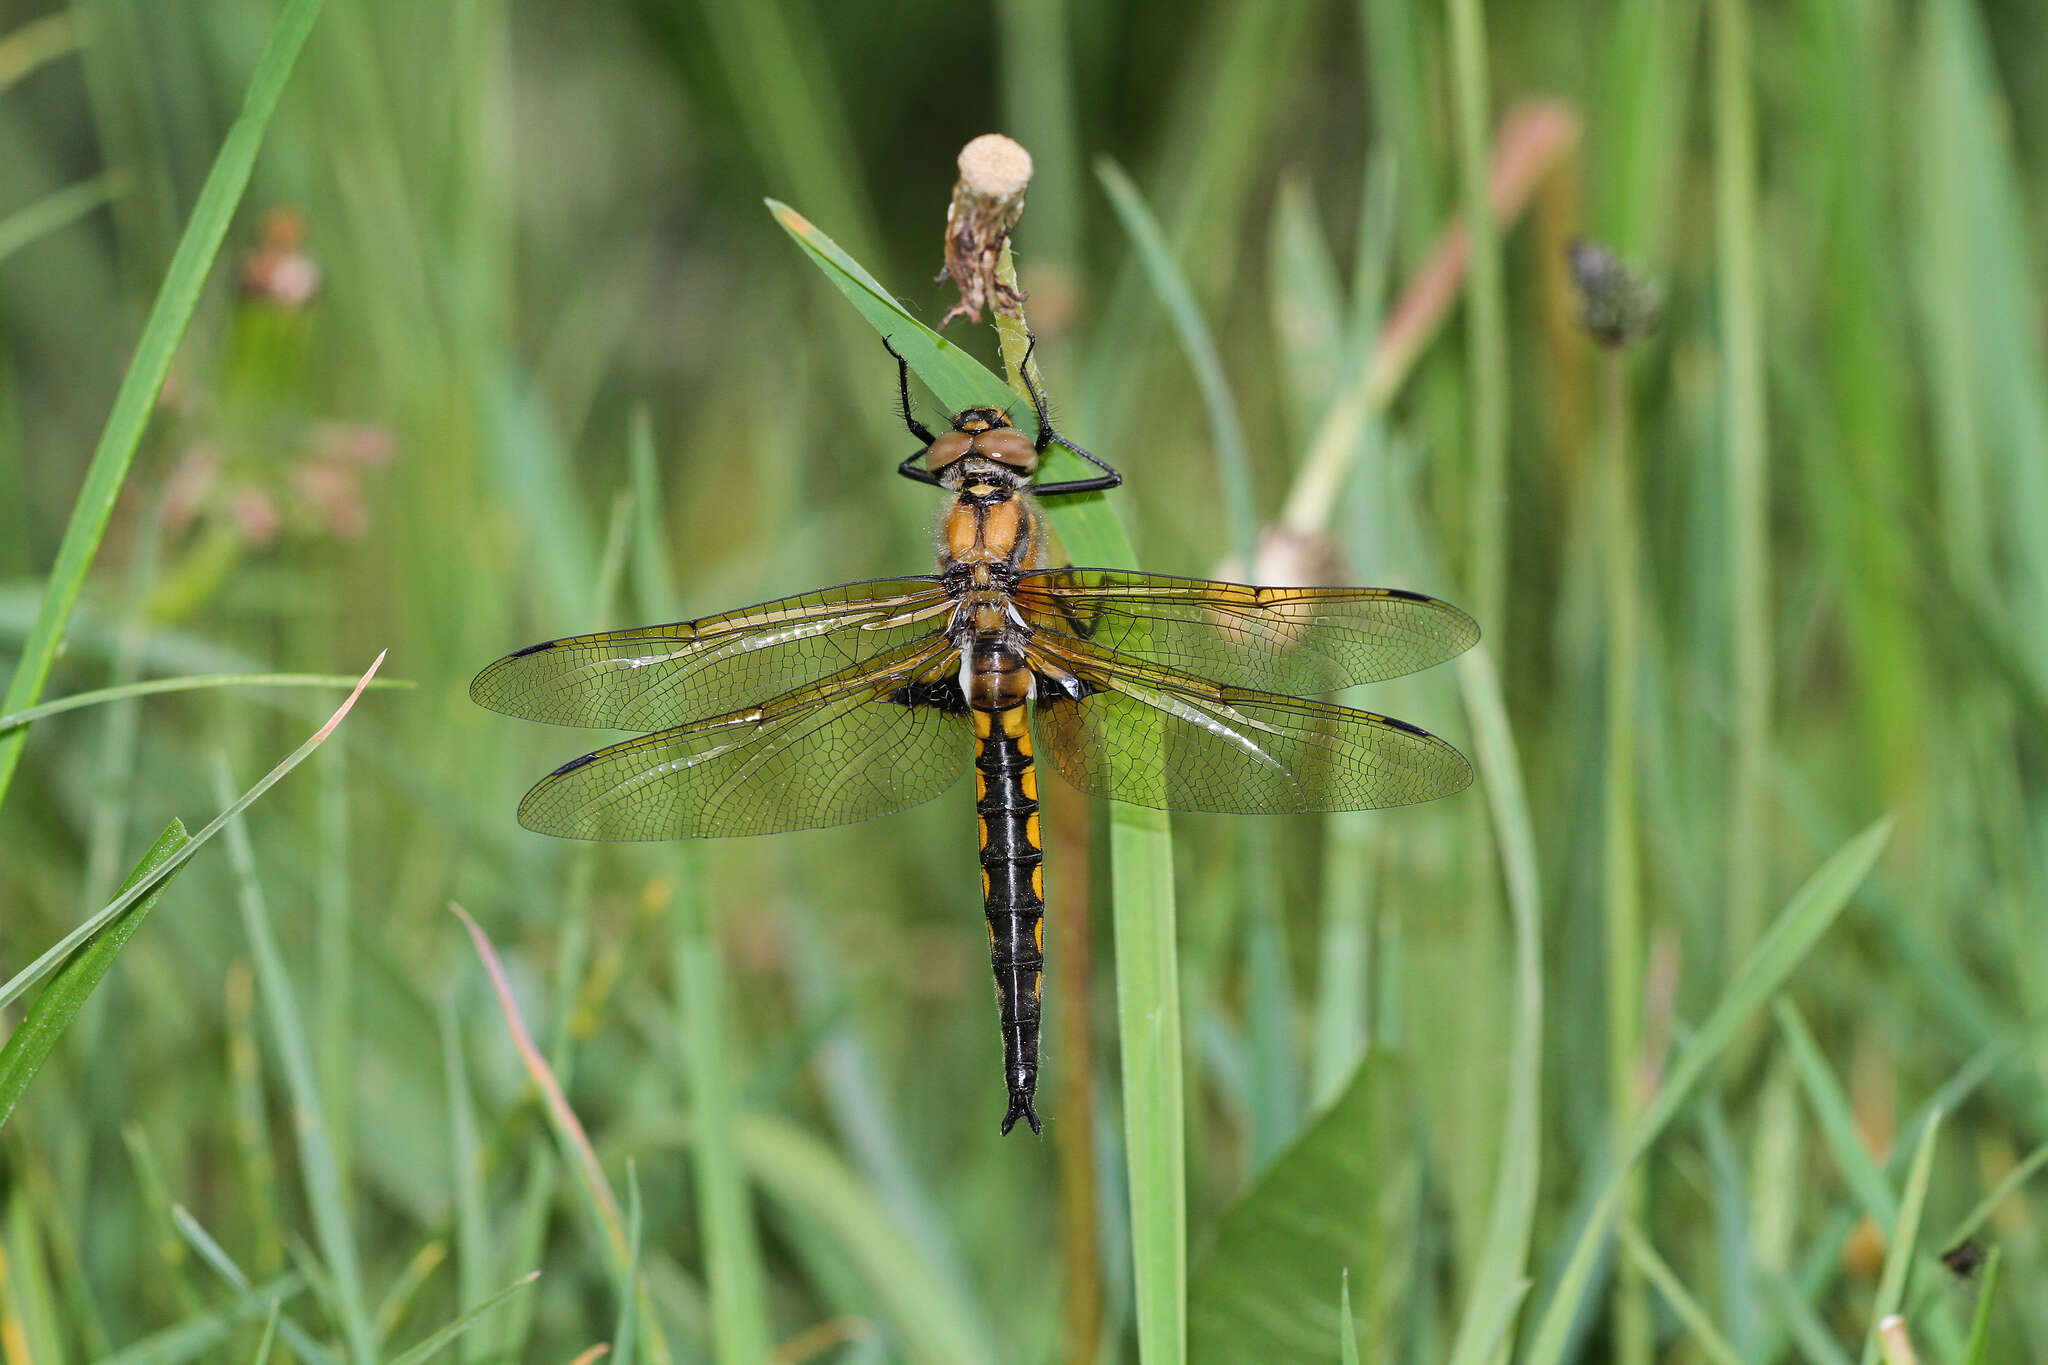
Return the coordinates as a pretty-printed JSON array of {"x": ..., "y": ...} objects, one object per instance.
[{"x": 1013, "y": 892}]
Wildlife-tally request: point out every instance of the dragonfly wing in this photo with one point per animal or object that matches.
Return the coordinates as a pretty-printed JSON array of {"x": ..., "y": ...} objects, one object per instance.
[
  {"x": 658, "y": 677},
  {"x": 1155, "y": 737},
  {"x": 1309, "y": 640},
  {"x": 842, "y": 749}
]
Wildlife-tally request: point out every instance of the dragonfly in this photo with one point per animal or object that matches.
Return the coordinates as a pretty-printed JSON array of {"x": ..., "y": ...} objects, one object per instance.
[{"x": 859, "y": 700}]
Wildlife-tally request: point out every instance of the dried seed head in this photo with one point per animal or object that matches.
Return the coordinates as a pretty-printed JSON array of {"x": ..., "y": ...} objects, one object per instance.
[
  {"x": 1617, "y": 303},
  {"x": 988, "y": 199}
]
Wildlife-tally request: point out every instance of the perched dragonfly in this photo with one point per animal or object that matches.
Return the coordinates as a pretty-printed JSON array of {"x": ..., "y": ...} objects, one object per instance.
[{"x": 858, "y": 700}]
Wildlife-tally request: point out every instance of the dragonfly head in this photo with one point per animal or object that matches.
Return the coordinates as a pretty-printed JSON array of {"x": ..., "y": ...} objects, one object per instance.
[{"x": 981, "y": 437}]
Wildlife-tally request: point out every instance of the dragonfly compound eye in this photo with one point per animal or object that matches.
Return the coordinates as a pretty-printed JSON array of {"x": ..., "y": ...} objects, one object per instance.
[
  {"x": 1008, "y": 446},
  {"x": 947, "y": 449}
]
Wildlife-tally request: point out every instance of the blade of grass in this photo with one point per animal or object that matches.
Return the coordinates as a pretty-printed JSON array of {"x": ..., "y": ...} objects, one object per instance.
[
  {"x": 35, "y": 970},
  {"x": 1799, "y": 927},
  {"x": 318, "y": 1175},
  {"x": 32, "y": 1041},
  {"x": 1837, "y": 1122},
  {"x": 473, "y": 1243},
  {"x": 739, "y": 1304},
  {"x": 602, "y": 1203},
  {"x": 36, "y": 42},
  {"x": 1905, "y": 1233},
  {"x": 399, "y": 1299},
  {"x": 622, "y": 1337},
  {"x": 262, "y": 1356},
  {"x": 197, "y": 247},
  {"x": 1988, "y": 1205},
  {"x": 1233, "y": 464},
  {"x": 1748, "y": 471},
  {"x": 56, "y": 210},
  {"x": 158, "y": 686},
  {"x": 224, "y": 1266},
  {"x": 1980, "y": 1326},
  {"x": 1499, "y": 1276},
  {"x": 799, "y": 1172},
  {"x": 438, "y": 1342},
  {"x": 1487, "y": 338},
  {"x": 202, "y": 1335},
  {"x": 1704, "y": 1334}
]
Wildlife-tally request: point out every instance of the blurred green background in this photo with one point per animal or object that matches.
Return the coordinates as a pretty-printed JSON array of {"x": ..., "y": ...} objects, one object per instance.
[{"x": 538, "y": 229}]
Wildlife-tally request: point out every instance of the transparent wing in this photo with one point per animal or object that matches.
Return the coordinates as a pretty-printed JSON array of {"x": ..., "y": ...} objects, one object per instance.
[
  {"x": 662, "y": 676},
  {"x": 1155, "y": 737},
  {"x": 1309, "y": 640},
  {"x": 831, "y": 753}
]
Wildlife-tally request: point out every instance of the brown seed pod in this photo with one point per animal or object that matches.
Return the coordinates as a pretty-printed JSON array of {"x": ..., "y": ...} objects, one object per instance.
[{"x": 988, "y": 199}]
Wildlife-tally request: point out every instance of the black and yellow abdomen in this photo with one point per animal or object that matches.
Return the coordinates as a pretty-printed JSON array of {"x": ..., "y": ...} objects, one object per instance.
[{"x": 1013, "y": 892}]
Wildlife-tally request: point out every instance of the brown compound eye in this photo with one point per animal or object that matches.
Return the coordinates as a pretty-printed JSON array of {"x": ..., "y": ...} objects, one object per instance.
[
  {"x": 1008, "y": 446},
  {"x": 946, "y": 450}
]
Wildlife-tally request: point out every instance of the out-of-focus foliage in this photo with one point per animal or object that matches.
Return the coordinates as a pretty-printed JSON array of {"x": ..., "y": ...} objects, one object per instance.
[{"x": 483, "y": 240}]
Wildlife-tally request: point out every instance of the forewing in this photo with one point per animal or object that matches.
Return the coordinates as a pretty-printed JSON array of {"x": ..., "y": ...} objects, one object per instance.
[
  {"x": 831, "y": 753},
  {"x": 1309, "y": 640},
  {"x": 1153, "y": 737},
  {"x": 657, "y": 677}
]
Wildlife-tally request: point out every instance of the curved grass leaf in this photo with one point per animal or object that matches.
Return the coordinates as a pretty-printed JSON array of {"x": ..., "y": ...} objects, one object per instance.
[
  {"x": 136, "y": 400},
  {"x": 158, "y": 686},
  {"x": 1340, "y": 1203},
  {"x": 1798, "y": 928},
  {"x": 31, "y": 1043},
  {"x": 436, "y": 1343},
  {"x": 34, "y": 972}
]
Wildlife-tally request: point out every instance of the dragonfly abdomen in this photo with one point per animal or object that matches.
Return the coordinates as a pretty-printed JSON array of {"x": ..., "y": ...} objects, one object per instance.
[{"x": 1006, "y": 788}]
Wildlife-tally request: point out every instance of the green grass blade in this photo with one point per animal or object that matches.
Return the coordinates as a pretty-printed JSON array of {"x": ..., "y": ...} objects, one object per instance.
[
  {"x": 262, "y": 1356},
  {"x": 32, "y": 1041},
  {"x": 958, "y": 378},
  {"x": 1748, "y": 469},
  {"x": 1837, "y": 1123},
  {"x": 806, "y": 1177},
  {"x": 201, "y": 1336},
  {"x": 1487, "y": 340},
  {"x": 318, "y": 1174},
  {"x": 1905, "y": 1235},
  {"x": 1979, "y": 1349},
  {"x": 629, "y": 1296},
  {"x": 739, "y": 1302},
  {"x": 158, "y": 686},
  {"x": 439, "y": 1341},
  {"x": 57, "y": 210},
  {"x": 1502, "y": 1262},
  {"x": 32, "y": 973},
  {"x": 224, "y": 1266},
  {"x": 1799, "y": 927},
  {"x": 2016, "y": 1177},
  {"x": 136, "y": 400},
  {"x": 474, "y": 1247},
  {"x": 1347, "y": 1328},
  {"x": 1704, "y": 1334},
  {"x": 1233, "y": 463}
]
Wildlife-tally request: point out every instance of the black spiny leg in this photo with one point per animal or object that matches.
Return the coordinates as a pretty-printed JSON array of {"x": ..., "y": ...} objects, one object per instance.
[
  {"x": 913, "y": 467},
  {"x": 1109, "y": 478}
]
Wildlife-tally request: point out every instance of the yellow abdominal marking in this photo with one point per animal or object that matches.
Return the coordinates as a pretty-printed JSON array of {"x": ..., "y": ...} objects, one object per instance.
[
  {"x": 1029, "y": 782},
  {"x": 1031, "y": 830}
]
